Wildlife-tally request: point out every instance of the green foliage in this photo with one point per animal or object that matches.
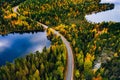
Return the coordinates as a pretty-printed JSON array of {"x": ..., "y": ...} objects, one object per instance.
[
  {"x": 48, "y": 65},
  {"x": 11, "y": 22},
  {"x": 68, "y": 17}
]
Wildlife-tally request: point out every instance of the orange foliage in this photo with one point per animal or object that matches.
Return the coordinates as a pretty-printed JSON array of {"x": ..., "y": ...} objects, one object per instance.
[
  {"x": 9, "y": 16},
  {"x": 97, "y": 78},
  {"x": 16, "y": 22}
]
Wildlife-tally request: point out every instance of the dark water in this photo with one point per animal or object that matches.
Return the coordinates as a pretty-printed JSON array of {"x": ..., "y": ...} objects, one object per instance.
[
  {"x": 17, "y": 45},
  {"x": 106, "y": 16}
]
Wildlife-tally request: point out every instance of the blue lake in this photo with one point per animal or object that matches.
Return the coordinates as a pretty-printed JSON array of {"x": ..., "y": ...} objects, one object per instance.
[
  {"x": 18, "y": 45},
  {"x": 106, "y": 16}
]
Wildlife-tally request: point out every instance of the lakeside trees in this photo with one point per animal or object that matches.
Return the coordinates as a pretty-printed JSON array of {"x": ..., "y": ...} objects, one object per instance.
[
  {"x": 11, "y": 22},
  {"x": 48, "y": 65},
  {"x": 56, "y": 12},
  {"x": 87, "y": 40}
]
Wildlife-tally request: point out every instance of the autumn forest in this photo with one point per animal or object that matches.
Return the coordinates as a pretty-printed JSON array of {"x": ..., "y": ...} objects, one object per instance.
[{"x": 95, "y": 46}]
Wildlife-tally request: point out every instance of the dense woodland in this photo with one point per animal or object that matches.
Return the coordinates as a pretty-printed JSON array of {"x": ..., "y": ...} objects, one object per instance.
[
  {"x": 48, "y": 65},
  {"x": 88, "y": 41},
  {"x": 12, "y": 22}
]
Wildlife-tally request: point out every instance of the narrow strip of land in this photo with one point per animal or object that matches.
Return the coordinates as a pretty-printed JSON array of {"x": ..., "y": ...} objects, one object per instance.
[{"x": 70, "y": 59}]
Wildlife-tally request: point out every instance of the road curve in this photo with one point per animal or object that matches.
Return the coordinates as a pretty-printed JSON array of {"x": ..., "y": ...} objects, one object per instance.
[{"x": 70, "y": 59}]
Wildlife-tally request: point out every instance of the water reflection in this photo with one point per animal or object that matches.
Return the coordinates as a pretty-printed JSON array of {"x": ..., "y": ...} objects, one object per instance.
[
  {"x": 17, "y": 45},
  {"x": 110, "y": 15}
]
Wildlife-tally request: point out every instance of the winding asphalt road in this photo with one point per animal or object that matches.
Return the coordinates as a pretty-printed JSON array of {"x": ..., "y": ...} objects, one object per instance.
[{"x": 70, "y": 59}]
